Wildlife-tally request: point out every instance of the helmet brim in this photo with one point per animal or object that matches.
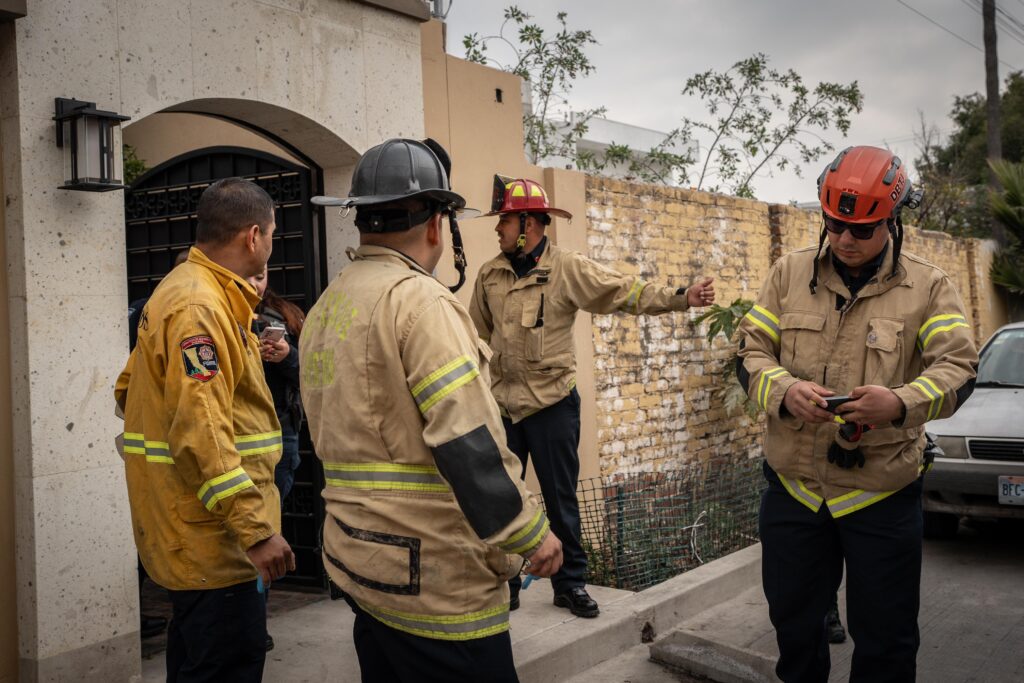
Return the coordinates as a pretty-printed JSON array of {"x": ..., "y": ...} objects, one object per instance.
[
  {"x": 446, "y": 197},
  {"x": 561, "y": 213}
]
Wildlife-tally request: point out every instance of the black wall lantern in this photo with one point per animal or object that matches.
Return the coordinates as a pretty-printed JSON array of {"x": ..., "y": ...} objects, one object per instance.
[{"x": 91, "y": 140}]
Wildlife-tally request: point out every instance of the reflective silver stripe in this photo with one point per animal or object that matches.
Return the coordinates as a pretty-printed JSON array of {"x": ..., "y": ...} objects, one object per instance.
[
  {"x": 244, "y": 446},
  {"x": 940, "y": 323},
  {"x": 134, "y": 442},
  {"x": 928, "y": 388},
  {"x": 765, "y": 385},
  {"x": 633, "y": 300},
  {"x": 477, "y": 625},
  {"x": 797, "y": 489},
  {"x": 157, "y": 450},
  {"x": 855, "y": 500},
  {"x": 523, "y": 542},
  {"x": 371, "y": 479},
  {"x": 442, "y": 382},
  {"x": 212, "y": 492},
  {"x": 764, "y": 319}
]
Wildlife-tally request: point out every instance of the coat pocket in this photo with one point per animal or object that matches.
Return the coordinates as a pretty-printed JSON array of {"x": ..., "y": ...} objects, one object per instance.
[
  {"x": 380, "y": 561},
  {"x": 800, "y": 341},
  {"x": 884, "y": 352},
  {"x": 532, "y": 322}
]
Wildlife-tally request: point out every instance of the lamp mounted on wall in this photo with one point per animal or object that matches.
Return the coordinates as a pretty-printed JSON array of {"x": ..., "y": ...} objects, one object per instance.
[{"x": 91, "y": 140}]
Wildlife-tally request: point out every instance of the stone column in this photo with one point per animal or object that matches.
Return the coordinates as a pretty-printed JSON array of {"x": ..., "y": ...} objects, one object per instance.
[{"x": 76, "y": 582}]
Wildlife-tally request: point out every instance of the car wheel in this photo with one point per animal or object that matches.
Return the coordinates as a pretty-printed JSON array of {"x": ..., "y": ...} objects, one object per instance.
[{"x": 940, "y": 525}]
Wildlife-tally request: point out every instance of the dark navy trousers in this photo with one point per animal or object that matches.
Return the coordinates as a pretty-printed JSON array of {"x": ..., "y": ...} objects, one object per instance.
[
  {"x": 552, "y": 438},
  {"x": 802, "y": 565}
]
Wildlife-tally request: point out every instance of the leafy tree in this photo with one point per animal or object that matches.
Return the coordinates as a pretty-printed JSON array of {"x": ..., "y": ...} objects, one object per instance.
[
  {"x": 550, "y": 64},
  {"x": 1008, "y": 208},
  {"x": 764, "y": 119},
  {"x": 954, "y": 175},
  {"x": 134, "y": 167}
]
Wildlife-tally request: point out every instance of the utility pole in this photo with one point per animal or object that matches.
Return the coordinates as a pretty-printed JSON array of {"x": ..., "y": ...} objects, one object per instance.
[{"x": 995, "y": 146}]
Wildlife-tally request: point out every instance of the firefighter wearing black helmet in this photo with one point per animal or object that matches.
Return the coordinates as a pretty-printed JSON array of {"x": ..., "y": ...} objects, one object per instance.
[
  {"x": 426, "y": 515},
  {"x": 868, "y": 323}
]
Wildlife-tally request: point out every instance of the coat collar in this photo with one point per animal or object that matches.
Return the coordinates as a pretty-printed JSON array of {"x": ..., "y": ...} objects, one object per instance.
[
  {"x": 883, "y": 281},
  {"x": 372, "y": 252},
  {"x": 242, "y": 297}
]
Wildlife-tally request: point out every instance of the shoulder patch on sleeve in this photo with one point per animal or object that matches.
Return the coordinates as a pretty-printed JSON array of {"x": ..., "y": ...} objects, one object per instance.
[{"x": 200, "y": 357}]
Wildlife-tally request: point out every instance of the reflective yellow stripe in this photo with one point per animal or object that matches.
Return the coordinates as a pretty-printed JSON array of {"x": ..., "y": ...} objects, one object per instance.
[
  {"x": 223, "y": 486},
  {"x": 528, "y": 537},
  {"x": 800, "y": 492},
  {"x": 939, "y": 323},
  {"x": 929, "y": 389},
  {"x": 385, "y": 476},
  {"x": 855, "y": 500},
  {"x": 255, "y": 444},
  {"x": 443, "y": 381},
  {"x": 764, "y": 386},
  {"x": 465, "y": 627},
  {"x": 766, "y": 320},
  {"x": 633, "y": 298}
]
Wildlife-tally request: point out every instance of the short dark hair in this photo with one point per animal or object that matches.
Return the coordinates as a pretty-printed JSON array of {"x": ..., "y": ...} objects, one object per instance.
[{"x": 229, "y": 206}]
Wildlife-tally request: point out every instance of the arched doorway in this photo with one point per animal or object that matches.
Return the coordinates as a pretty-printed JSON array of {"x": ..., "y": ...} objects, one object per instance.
[{"x": 160, "y": 221}]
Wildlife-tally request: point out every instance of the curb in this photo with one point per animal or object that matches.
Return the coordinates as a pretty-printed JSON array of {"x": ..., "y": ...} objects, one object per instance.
[{"x": 576, "y": 645}]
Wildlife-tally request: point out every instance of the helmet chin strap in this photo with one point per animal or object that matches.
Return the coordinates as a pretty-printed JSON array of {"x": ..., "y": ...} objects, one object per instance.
[
  {"x": 521, "y": 240},
  {"x": 459, "y": 252}
]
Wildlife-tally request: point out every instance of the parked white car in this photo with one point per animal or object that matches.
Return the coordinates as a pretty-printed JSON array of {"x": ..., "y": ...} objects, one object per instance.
[{"x": 981, "y": 471}]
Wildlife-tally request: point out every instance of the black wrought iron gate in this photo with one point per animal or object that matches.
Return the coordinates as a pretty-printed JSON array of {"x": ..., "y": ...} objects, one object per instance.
[{"x": 160, "y": 216}]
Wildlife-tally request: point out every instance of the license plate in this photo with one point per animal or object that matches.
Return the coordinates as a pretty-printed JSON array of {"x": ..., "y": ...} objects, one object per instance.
[{"x": 1011, "y": 490}]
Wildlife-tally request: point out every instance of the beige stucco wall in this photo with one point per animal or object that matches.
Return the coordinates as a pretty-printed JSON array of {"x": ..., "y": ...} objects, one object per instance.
[
  {"x": 8, "y": 611},
  {"x": 331, "y": 77}
]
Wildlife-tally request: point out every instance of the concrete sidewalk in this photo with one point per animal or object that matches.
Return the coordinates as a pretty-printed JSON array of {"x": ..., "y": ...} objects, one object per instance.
[
  {"x": 314, "y": 643},
  {"x": 971, "y": 620}
]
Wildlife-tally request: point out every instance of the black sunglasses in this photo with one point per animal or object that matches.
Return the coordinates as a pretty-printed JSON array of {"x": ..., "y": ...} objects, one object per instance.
[{"x": 858, "y": 230}]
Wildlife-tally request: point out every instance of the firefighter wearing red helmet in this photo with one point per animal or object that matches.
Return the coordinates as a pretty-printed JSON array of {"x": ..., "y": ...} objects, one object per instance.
[
  {"x": 524, "y": 305},
  {"x": 885, "y": 331}
]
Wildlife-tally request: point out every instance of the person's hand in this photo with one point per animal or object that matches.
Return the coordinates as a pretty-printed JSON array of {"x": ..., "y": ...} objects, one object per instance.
[
  {"x": 274, "y": 351},
  {"x": 273, "y": 558},
  {"x": 805, "y": 401},
  {"x": 547, "y": 559},
  {"x": 872, "y": 405},
  {"x": 701, "y": 294}
]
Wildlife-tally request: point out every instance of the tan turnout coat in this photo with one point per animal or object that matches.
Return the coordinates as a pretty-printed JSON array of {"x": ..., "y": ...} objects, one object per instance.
[
  {"x": 426, "y": 508},
  {"x": 908, "y": 332},
  {"x": 528, "y": 321}
]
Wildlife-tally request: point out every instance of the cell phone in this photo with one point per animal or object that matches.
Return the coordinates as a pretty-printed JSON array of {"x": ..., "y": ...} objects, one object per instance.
[
  {"x": 272, "y": 333},
  {"x": 836, "y": 401}
]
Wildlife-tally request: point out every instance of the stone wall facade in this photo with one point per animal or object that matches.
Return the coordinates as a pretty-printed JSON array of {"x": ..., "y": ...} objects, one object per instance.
[{"x": 655, "y": 375}]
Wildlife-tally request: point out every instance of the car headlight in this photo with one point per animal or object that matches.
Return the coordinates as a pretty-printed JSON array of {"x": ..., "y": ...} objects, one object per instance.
[{"x": 952, "y": 446}]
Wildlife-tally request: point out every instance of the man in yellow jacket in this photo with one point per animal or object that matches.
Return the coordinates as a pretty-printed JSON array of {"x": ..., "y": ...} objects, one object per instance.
[
  {"x": 524, "y": 305},
  {"x": 888, "y": 331},
  {"x": 426, "y": 514},
  {"x": 201, "y": 440}
]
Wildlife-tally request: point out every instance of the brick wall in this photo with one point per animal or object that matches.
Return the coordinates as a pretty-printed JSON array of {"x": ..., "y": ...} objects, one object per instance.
[{"x": 654, "y": 374}]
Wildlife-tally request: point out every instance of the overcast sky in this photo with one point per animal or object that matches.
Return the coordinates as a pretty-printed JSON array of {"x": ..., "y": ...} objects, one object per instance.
[{"x": 648, "y": 48}]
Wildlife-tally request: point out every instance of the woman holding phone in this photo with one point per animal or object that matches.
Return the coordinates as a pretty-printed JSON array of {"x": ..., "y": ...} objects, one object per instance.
[{"x": 278, "y": 323}]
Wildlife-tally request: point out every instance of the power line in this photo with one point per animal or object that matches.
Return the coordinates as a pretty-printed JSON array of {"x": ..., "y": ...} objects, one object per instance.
[
  {"x": 952, "y": 33},
  {"x": 1011, "y": 26}
]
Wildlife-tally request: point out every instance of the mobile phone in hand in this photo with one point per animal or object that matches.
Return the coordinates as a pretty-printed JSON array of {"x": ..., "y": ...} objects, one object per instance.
[
  {"x": 272, "y": 333},
  {"x": 836, "y": 401}
]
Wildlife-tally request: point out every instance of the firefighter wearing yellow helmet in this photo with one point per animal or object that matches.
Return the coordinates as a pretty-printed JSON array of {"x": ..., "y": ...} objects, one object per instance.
[{"x": 524, "y": 305}]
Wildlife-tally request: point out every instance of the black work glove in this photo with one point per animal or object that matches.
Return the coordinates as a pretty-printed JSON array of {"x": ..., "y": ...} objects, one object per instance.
[{"x": 845, "y": 457}]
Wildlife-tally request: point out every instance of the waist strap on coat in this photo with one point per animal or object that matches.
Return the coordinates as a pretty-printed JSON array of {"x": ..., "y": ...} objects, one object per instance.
[{"x": 385, "y": 476}]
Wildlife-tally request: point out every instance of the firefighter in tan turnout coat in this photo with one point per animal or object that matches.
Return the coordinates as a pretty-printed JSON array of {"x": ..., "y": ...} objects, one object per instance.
[
  {"x": 524, "y": 305},
  {"x": 427, "y": 517},
  {"x": 889, "y": 330}
]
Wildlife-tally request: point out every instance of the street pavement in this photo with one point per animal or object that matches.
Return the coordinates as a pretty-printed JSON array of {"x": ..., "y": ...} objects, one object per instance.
[{"x": 971, "y": 620}]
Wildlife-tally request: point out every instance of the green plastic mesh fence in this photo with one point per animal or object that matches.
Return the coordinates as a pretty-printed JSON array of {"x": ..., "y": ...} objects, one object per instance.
[{"x": 642, "y": 529}]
